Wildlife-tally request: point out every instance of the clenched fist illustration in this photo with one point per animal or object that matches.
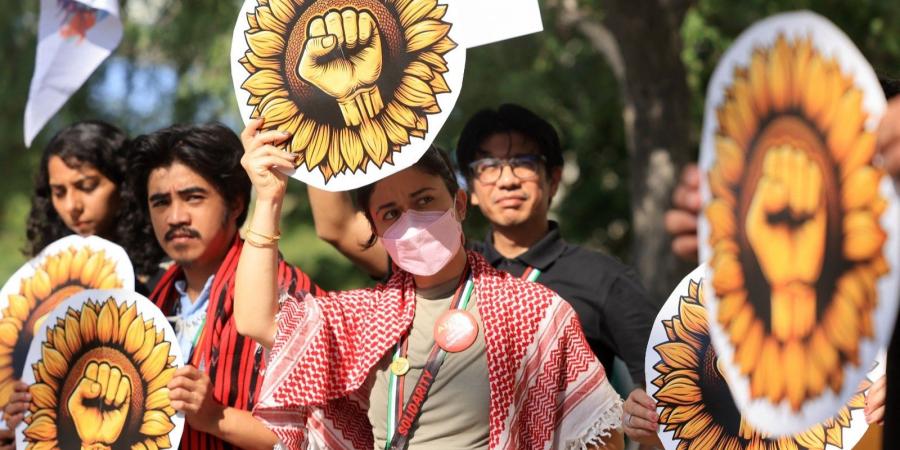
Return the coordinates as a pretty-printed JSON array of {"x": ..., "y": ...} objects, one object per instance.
[
  {"x": 99, "y": 405},
  {"x": 786, "y": 226},
  {"x": 342, "y": 56}
]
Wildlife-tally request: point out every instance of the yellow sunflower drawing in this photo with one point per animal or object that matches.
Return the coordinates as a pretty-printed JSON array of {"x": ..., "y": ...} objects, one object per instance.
[
  {"x": 101, "y": 381},
  {"x": 58, "y": 277},
  {"x": 794, "y": 222},
  {"x": 697, "y": 404},
  {"x": 351, "y": 80}
]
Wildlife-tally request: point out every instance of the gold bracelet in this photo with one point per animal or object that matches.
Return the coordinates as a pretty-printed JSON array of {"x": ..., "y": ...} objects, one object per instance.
[
  {"x": 257, "y": 244},
  {"x": 274, "y": 238}
]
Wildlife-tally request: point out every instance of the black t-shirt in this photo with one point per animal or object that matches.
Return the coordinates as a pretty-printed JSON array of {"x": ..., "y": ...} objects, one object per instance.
[{"x": 612, "y": 305}]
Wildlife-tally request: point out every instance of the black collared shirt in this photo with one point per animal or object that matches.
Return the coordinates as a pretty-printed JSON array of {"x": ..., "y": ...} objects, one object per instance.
[{"x": 612, "y": 305}]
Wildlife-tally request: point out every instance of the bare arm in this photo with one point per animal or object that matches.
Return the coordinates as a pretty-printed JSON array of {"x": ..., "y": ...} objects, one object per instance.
[
  {"x": 340, "y": 224},
  {"x": 242, "y": 430},
  {"x": 256, "y": 279}
]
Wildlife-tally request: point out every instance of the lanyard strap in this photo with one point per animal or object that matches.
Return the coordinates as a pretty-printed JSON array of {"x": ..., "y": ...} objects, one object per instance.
[
  {"x": 174, "y": 321},
  {"x": 400, "y": 418},
  {"x": 197, "y": 337},
  {"x": 531, "y": 273}
]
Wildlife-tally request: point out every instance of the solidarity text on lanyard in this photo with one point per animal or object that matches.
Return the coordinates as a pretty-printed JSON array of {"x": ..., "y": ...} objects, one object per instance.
[{"x": 398, "y": 430}]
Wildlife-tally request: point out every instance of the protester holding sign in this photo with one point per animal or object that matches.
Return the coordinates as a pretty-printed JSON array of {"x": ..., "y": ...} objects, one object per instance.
[
  {"x": 189, "y": 197},
  {"x": 76, "y": 191},
  {"x": 612, "y": 306},
  {"x": 506, "y": 359}
]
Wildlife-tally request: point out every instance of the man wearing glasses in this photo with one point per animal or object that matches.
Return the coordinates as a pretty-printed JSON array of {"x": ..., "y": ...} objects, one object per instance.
[
  {"x": 513, "y": 163},
  {"x": 512, "y": 160}
]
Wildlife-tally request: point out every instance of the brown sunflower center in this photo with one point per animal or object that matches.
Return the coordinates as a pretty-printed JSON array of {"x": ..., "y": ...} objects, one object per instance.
[
  {"x": 394, "y": 56},
  {"x": 114, "y": 356},
  {"x": 799, "y": 135},
  {"x": 713, "y": 386}
]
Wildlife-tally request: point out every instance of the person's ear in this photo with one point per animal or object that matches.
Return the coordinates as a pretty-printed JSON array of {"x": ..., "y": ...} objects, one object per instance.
[
  {"x": 237, "y": 207},
  {"x": 555, "y": 177},
  {"x": 473, "y": 197},
  {"x": 461, "y": 204}
]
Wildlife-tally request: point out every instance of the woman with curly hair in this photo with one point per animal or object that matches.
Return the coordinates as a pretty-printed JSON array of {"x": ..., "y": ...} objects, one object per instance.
[{"x": 76, "y": 189}]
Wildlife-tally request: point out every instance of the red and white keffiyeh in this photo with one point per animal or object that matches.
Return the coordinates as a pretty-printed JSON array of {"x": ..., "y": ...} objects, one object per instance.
[{"x": 547, "y": 388}]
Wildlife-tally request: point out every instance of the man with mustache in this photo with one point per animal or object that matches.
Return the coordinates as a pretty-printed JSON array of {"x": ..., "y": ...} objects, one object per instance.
[
  {"x": 512, "y": 160},
  {"x": 188, "y": 197}
]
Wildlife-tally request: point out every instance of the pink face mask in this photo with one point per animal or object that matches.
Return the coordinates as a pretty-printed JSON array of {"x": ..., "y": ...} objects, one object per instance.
[{"x": 423, "y": 242}]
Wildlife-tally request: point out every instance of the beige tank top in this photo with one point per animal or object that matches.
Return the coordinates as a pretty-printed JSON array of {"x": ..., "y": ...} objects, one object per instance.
[{"x": 456, "y": 412}]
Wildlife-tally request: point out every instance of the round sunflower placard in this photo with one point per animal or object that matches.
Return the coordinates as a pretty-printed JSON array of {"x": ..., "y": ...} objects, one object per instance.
[
  {"x": 98, "y": 372},
  {"x": 361, "y": 86},
  {"x": 66, "y": 267},
  {"x": 696, "y": 410},
  {"x": 796, "y": 225}
]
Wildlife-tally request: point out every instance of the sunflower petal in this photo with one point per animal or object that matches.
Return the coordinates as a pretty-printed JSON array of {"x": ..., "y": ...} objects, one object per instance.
[
  {"x": 335, "y": 161},
  {"x": 860, "y": 188},
  {"x": 41, "y": 429},
  {"x": 156, "y": 423},
  {"x": 419, "y": 70},
  {"x": 156, "y": 362},
  {"x": 318, "y": 146},
  {"x": 43, "y": 395},
  {"x": 263, "y": 82},
  {"x": 351, "y": 148},
  {"x": 374, "y": 141},
  {"x": 88, "y": 323},
  {"x": 863, "y": 236},
  {"x": 54, "y": 361},
  {"x": 678, "y": 355},
  {"x": 279, "y": 110},
  {"x": 424, "y": 34},
  {"x": 108, "y": 322},
  {"x": 41, "y": 284},
  {"x": 842, "y": 134},
  {"x": 91, "y": 268},
  {"x": 395, "y": 133},
  {"x": 283, "y": 10},
  {"x": 415, "y": 11},
  {"x": 267, "y": 20},
  {"x": 134, "y": 336}
]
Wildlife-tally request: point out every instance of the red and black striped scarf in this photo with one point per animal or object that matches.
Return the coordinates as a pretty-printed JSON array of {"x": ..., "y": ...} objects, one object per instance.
[{"x": 234, "y": 363}]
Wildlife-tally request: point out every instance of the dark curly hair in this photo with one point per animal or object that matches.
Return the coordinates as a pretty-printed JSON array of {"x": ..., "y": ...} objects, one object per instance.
[
  {"x": 211, "y": 150},
  {"x": 93, "y": 142}
]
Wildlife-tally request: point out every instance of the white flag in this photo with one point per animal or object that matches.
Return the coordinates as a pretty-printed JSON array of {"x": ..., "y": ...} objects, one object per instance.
[{"x": 75, "y": 36}]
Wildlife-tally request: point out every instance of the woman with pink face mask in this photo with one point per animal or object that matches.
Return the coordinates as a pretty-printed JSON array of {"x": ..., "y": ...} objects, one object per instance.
[{"x": 449, "y": 353}]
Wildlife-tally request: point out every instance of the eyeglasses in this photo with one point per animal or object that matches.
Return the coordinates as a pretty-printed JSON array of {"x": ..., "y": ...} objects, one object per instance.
[{"x": 524, "y": 167}]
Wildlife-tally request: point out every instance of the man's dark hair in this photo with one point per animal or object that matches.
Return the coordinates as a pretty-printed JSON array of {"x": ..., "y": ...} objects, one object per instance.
[
  {"x": 93, "y": 143},
  {"x": 507, "y": 118},
  {"x": 211, "y": 150}
]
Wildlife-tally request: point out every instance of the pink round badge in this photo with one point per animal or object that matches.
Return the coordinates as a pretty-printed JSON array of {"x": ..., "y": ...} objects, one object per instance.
[{"x": 455, "y": 330}]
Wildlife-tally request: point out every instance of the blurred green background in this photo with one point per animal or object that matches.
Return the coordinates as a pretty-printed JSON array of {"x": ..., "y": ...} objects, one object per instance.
[{"x": 172, "y": 66}]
